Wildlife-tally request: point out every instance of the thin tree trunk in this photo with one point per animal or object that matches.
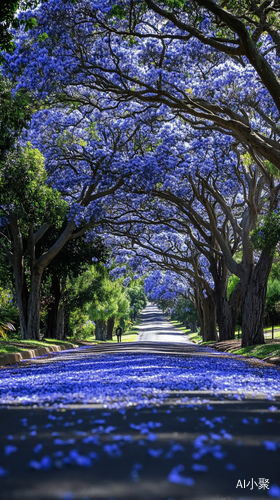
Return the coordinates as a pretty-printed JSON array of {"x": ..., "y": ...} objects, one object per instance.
[
  {"x": 67, "y": 332},
  {"x": 110, "y": 328},
  {"x": 193, "y": 327},
  {"x": 60, "y": 332},
  {"x": 253, "y": 301},
  {"x": 51, "y": 322}
]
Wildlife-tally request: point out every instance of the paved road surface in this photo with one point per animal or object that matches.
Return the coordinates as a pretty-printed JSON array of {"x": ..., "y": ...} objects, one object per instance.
[
  {"x": 156, "y": 328},
  {"x": 139, "y": 421}
]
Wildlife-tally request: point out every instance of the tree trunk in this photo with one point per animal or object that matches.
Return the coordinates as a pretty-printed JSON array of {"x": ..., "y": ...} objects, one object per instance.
[
  {"x": 193, "y": 327},
  {"x": 67, "y": 332},
  {"x": 227, "y": 311},
  {"x": 21, "y": 295},
  {"x": 253, "y": 301},
  {"x": 207, "y": 315},
  {"x": 51, "y": 322},
  {"x": 100, "y": 329},
  {"x": 21, "y": 290},
  {"x": 33, "y": 310},
  {"x": 60, "y": 332},
  {"x": 110, "y": 328},
  {"x": 29, "y": 302}
]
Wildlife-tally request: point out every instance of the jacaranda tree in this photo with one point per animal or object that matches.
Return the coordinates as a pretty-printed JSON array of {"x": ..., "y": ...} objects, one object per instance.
[
  {"x": 210, "y": 67},
  {"x": 214, "y": 66},
  {"x": 210, "y": 196},
  {"x": 83, "y": 178}
]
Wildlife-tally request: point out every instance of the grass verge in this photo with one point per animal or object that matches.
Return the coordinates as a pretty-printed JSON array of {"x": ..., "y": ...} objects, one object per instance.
[
  {"x": 262, "y": 351},
  {"x": 15, "y": 345},
  {"x": 195, "y": 337}
]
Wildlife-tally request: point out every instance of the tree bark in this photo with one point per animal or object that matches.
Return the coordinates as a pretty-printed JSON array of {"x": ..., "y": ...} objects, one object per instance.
[
  {"x": 192, "y": 326},
  {"x": 110, "y": 328},
  {"x": 60, "y": 323},
  {"x": 33, "y": 310},
  {"x": 206, "y": 311},
  {"x": 60, "y": 331},
  {"x": 254, "y": 289},
  {"x": 21, "y": 295},
  {"x": 227, "y": 311},
  {"x": 51, "y": 322},
  {"x": 29, "y": 302},
  {"x": 100, "y": 329},
  {"x": 209, "y": 320},
  {"x": 21, "y": 290}
]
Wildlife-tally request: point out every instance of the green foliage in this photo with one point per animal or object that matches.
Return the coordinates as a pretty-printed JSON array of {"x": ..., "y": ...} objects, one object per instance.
[
  {"x": 273, "y": 294},
  {"x": 80, "y": 325},
  {"x": 272, "y": 169},
  {"x": 165, "y": 304},
  {"x": 4, "y": 298},
  {"x": 273, "y": 289},
  {"x": 232, "y": 282},
  {"x": 6, "y": 322},
  {"x": 174, "y": 4},
  {"x": 33, "y": 201},
  {"x": 118, "y": 11},
  {"x": 93, "y": 296},
  {"x": 275, "y": 270},
  {"x": 137, "y": 299},
  {"x": 266, "y": 235},
  {"x": 9, "y": 316},
  {"x": 8, "y": 18},
  {"x": 184, "y": 311},
  {"x": 43, "y": 37},
  {"x": 108, "y": 297},
  {"x": 16, "y": 111}
]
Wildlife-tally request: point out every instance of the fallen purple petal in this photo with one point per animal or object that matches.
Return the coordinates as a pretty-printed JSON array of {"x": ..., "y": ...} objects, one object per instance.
[{"x": 176, "y": 478}]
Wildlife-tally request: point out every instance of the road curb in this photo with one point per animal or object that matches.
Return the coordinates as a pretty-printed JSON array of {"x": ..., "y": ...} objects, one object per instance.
[{"x": 15, "y": 357}]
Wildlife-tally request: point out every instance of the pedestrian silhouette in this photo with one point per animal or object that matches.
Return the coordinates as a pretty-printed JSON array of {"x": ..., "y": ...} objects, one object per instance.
[{"x": 119, "y": 333}]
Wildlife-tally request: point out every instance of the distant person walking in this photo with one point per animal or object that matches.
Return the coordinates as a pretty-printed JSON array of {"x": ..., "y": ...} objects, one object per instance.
[{"x": 119, "y": 333}]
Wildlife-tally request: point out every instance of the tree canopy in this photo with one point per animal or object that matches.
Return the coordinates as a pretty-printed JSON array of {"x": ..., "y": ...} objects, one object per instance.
[{"x": 158, "y": 123}]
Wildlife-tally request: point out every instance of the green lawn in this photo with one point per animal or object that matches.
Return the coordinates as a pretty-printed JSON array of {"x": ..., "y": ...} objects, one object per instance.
[
  {"x": 6, "y": 349},
  {"x": 267, "y": 331},
  {"x": 130, "y": 334},
  {"x": 259, "y": 351}
]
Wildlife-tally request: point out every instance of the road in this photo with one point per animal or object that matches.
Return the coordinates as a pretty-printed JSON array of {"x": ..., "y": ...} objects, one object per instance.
[
  {"x": 140, "y": 421},
  {"x": 156, "y": 328}
]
